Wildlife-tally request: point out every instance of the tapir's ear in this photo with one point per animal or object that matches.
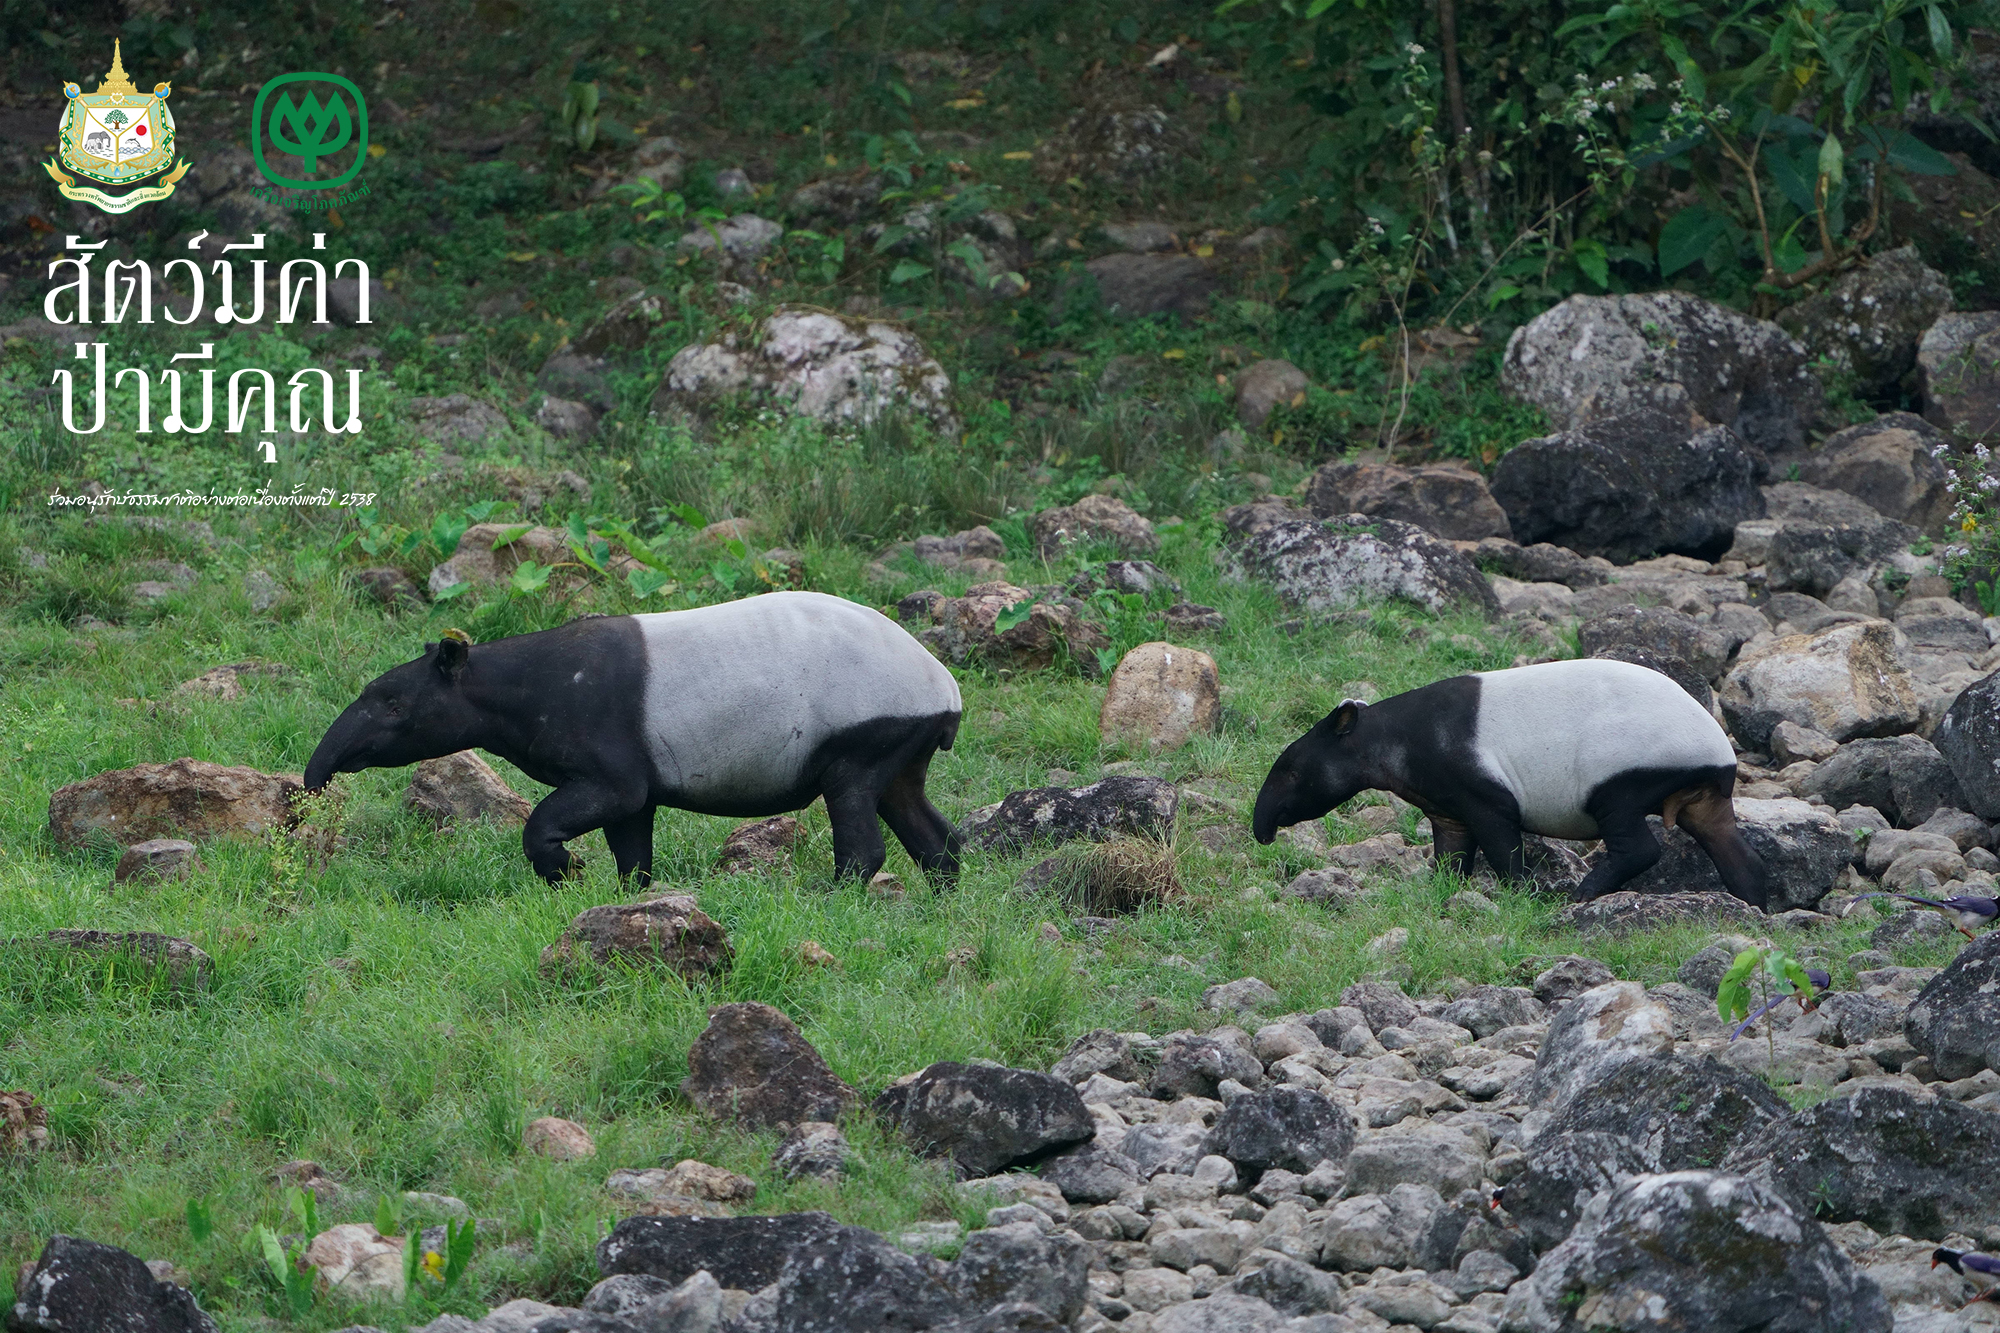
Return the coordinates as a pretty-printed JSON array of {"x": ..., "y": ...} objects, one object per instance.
[
  {"x": 1345, "y": 716},
  {"x": 451, "y": 653}
]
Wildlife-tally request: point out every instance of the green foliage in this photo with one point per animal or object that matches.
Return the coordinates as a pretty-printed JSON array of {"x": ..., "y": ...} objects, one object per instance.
[{"x": 579, "y": 114}]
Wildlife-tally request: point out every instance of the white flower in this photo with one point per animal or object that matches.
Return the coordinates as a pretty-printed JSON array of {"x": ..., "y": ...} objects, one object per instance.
[
  {"x": 1415, "y": 50},
  {"x": 1643, "y": 82},
  {"x": 1981, "y": 452}
]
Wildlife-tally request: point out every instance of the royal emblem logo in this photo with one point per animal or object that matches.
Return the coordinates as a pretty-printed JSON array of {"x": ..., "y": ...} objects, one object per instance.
[{"x": 118, "y": 136}]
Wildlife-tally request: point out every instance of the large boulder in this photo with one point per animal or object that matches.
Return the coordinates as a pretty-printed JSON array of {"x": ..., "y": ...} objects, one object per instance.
[
  {"x": 1630, "y": 487},
  {"x": 1286, "y": 1128},
  {"x": 462, "y": 788},
  {"x": 1679, "y": 1112},
  {"x": 1134, "y": 286},
  {"x": 488, "y": 554},
  {"x": 1108, "y": 808},
  {"x": 1823, "y": 536},
  {"x": 1160, "y": 697},
  {"x": 188, "y": 798},
  {"x": 1628, "y": 910},
  {"x": 752, "y": 1066},
  {"x": 1592, "y": 1035},
  {"x": 1845, "y": 681},
  {"x": 1892, "y": 1157},
  {"x": 1697, "y": 1250},
  {"x": 1658, "y": 632},
  {"x": 1869, "y": 320},
  {"x": 84, "y": 1286},
  {"x": 1890, "y": 465},
  {"x": 967, "y": 629},
  {"x": 1093, "y": 518},
  {"x": 1905, "y": 777},
  {"x": 985, "y": 1118},
  {"x": 1595, "y": 357},
  {"x": 854, "y": 1281},
  {"x": 1338, "y": 564},
  {"x": 1564, "y": 1170},
  {"x": 745, "y": 1253},
  {"x": 1018, "y": 1264},
  {"x": 1803, "y": 846},
  {"x": 1449, "y": 502},
  {"x": 815, "y": 364},
  {"x": 670, "y": 931},
  {"x": 1959, "y": 364},
  {"x": 1955, "y": 1019},
  {"x": 1969, "y": 739}
]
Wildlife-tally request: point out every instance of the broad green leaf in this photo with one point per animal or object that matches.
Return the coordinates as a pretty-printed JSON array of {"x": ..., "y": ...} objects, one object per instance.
[
  {"x": 1590, "y": 257},
  {"x": 1012, "y": 616},
  {"x": 889, "y": 237},
  {"x": 726, "y": 575},
  {"x": 1794, "y": 177},
  {"x": 1940, "y": 31},
  {"x": 648, "y": 582},
  {"x": 907, "y": 269},
  {"x": 1741, "y": 966},
  {"x": 200, "y": 1220},
  {"x": 1687, "y": 236},
  {"x": 480, "y": 512},
  {"x": 689, "y": 515},
  {"x": 274, "y": 1254},
  {"x": 1107, "y": 660},
  {"x": 529, "y": 577},
  {"x": 1832, "y": 162},
  {"x": 458, "y": 589},
  {"x": 513, "y": 532},
  {"x": 736, "y": 548},
  {"x": 1918, "y": 158},
  {"x": 458, "y": 1251},
  {"x": 388, "y": 1215},
  {"x": 1505, "y": 292},
  {"x": 446, "y": 529}
]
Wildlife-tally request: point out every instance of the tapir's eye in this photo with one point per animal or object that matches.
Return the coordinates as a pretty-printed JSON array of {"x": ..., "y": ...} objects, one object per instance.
[{"x": 394, "y": 707}]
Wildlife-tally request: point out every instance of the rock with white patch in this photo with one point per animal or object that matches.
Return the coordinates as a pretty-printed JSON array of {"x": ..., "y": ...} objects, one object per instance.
[
  {"x": 1845, "y": 682},
  {"x": 1339, "y": 563}
]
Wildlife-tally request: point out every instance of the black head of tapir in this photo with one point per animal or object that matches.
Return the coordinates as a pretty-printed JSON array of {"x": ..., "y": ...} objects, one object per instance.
[
  {"x": 417, "y": 711},
  {"x": 1328, "y": 765}
]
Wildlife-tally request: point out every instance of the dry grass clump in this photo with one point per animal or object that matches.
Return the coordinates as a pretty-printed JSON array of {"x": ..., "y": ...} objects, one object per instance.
[{"x": 1109, "y": 878}]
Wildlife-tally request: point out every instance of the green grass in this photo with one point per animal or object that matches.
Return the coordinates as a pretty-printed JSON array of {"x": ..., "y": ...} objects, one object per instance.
[{"x": 385, "y": 1015}]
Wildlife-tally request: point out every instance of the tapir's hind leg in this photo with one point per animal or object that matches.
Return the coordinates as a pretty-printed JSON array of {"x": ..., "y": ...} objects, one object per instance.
[
  {"x": 631, "y": 843},
  {"x": 1630, "y": 850},
  {"x": 857, "y": 836},
  {"x": 925, "y": 834},
  {"x": 1710, "y": 819}
]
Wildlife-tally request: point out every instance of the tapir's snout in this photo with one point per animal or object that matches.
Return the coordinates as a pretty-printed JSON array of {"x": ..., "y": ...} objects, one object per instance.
[
  {"x": 1265, "y": 819},
  {"x": 341, "y": 747}
]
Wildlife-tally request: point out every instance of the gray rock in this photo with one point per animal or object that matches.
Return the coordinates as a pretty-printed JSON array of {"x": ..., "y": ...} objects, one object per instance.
[
  {"x": 1824, "y": 536},
  {"x": 1679, "y": 1112},
  {"x": 1370, "y": 1231},
  {"x": 985, "y": 1118},
  {"x": 1288, "y": 1128},
  {"x": 745, "y": 1253},
  {"x": 1631, "y": 487},
  {"x": 1564, "y": 1171},
  {"x": 1540, "y": 562},
  {"x": 752, "y": 1065},
  {"x": 850, "y": 1280},
  {"x": 1594, "y": 357},
  {"x": 1869, "y": 320},
  {"x": 1569, "y": 977},
  {"x": 1904, "y": 777},
  {"x": 1135, "y": 286},
  {"x": 1484, "y": 1010},
  {"x": 814, "y": 1148},
  {"x": 1592, "y": 1035},
  {"x": 1091, "y": 1173},
  {"x": 1244, "y": 995},
  {"x": 744, "y": 238},
  {"x": 1172, "y": 1149},
  {"x": 1646, "y": 909},
  {"x": 1697, "y": 1250},
  {"x": 78, "y": 1285},
  {"x": 1449, "y": 502},
  {"x": 1803, "y": 847},
  {"x": 1887, "y": 464},
  {"x": 1888, "y": 1156},
  {"x": 1845, "y": 681},
  {"x": 1100, "y": 1051},
  {"x": 155, "y": 859},
  {"x": 454, "y": 419},
  {"x": 625, "y": 1294},
  {"x": 1428, "y": 1155},
  {"x": 1956, "y": 361},
  {"x": 1019, "y": 1264},
  {"x": 1969, "y": 739},
  {"x": 1220, "y": 1313},
  {"x": 1337, "y": 564},
  {"x": 1955, "y": 1019},
  {"x": 1111, "y": 807},
  {"x": 1381, "y": 1003},
  {"x": 1659, "y": 631},
  {"x": 1289, "y": 1287},
  {"x": 1192, "y": 1064}
]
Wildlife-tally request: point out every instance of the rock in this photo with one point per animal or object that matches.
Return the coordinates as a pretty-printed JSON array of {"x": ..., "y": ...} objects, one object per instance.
[
  {"x": 985, "y": 1119},
  {"x": 1825, "y": 537},
  {"x": 1569, "y": 977},
  {"x": 179, "y": 962},
  {"x": 1869, "y": 320},
  {"x": 1955, "y": 1019},
  {"x": 1090, "y": 1173},
  {"x": 1244, "y": 995},
  {"x": 1100, "y": 1051},
  {"x": 814, "y": 364},
  {"x": 82, "y": 1285},
  {"x": 695, "y": 1306},
  {"x": 1902, "y": 776},
  {"x": 841, "y": 201},
  {"x": 1289, "y": 1287},
  {"x": 1484, "y": 1010},
  {"x": 1415, "y": 1152},
  {"x": 454, "y": 419},
  {"x": 155, "y": 859},
  {"x": 1018, "y": 1264},
  {"x": 1286, "y": 1128},
  {"x": 742, "y": 239},
  {"x": 1657, "y": 631},
  {"x": 741, "y": 1253},
  {"x": 1942, "y": 624},
  {"x": 1888, "y": 1156},
  {"x": 1259, "y": 516},
  {"x": 1592, "y": 1035},
  {"x": 1969, "y": 739},
  {"x": 463, "y": 788},
  {"x": 1697, "y": 1250},
  {"x": 671, "y": 930},
  {"x": 478, "y": 562},
  {"x": 1540, "y": 563},
  {"x": 1844, "y": 682},
  {"x": 751, "y": 1066},
  {"x": 1596, "y": 357},
  {"x": 1194, "y": 1065},
  {"x": 358, "y": 1262},
  {"x": 262, "y": 590},
  {"x": 1136, "y": 286},
  {"x": 1160, "y": 697},
  {"x": 578, "y": 378},
  {"x": 1264, "y": 386},
  {"x": 625, "y": 326},
  {"x": 1956, "y": 361},
  {"x": 967, "y": 629},
  {"x": 566, "y": 420},
  {"x": 1448, "y": 502},
  {"x": 1330, "y": 887},
  {"x": 188, "y": 797},
  {"x": 1094, "y": 518},
  {"x": 815, "y": 1148},
  {"x": 1562, "y": 1172},
  {"x": 1382, "y": 1004},
  {"x": 1109, "y": 808},
  {"x": 1630, "y": 909},
  {"x": 24, "y": 1124},
  {"x": 226, "y": 682},
  {"x": 388, "y": 587},
  {"x": 1803, "y": 846},
  {"x": 1371, "y": 1231},
  {"x": 1140, "y": 238},
  {"x": 850, "y": 1280},
  {"x": 1791, "y": 743},
  {"x": 699, "y": 1180},
  {"x": 1889, "y": 465},
  {"x": 758, "y": 846},
  {"x": 1678, "y": 1112},
  {"x": 1630, "y": 487},
  {"x": 1338, "y": 564},
  {"x": 557, "y": 1139}
]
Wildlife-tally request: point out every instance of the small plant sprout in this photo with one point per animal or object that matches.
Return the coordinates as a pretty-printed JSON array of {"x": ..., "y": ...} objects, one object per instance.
[{"x": 1777, "y": 977}]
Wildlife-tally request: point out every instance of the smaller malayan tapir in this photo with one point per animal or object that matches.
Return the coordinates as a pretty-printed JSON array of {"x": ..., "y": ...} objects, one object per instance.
[
  {"x": 747, "y": 709},
  {"x": 1577, "y": 750}
]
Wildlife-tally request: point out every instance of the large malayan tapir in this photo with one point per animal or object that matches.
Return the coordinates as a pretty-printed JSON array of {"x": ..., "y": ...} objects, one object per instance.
[
  {"x": 1577, "y": 750},
  {"x": 747, "y": 709}
]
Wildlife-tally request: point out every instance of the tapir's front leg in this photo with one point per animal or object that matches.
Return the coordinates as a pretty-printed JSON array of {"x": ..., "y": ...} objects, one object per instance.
[
  {"x": 1452, "y": 844},
  {"x": 570, "y": 811}
]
